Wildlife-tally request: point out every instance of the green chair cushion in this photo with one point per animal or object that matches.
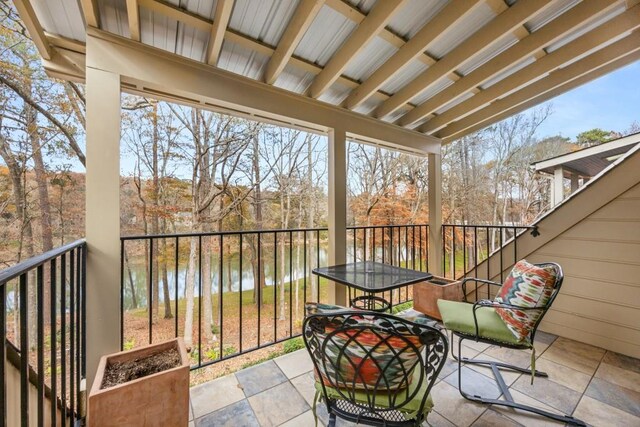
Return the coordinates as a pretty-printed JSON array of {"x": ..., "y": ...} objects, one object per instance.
[
  {"x": 458, "y": 317},
  {"x": 411, "y": 408}
]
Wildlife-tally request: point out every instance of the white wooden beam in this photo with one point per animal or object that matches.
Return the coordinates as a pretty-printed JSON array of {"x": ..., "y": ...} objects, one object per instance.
[
  {"x": 90, "y": 12},
  {"x": 555, "y": 79},
  {"x": 474, "y": 44},
  {"x": 617, "y": 26},
  {"x": 179, "y": 14},
  {"x": 300, "y": 22},
  {"x": 361, "y": 36},
  {"x": 546, "y": 35},
  {"x": 435, "y": 213},
  {"x": 545, "y": 96},
  {"x": 337, "y": 209},
  {"x": 219, "y": 27},
  {"x": 30, "y": 20},
  {"x": 414, "y": 48},
  {"x": 153, "y": 69},
  {"x": 356, "y": 15},
  {"x": 102, "y": 223},
  {"x": 133, "y": 16},
  {"x": 204, "y": 24}
]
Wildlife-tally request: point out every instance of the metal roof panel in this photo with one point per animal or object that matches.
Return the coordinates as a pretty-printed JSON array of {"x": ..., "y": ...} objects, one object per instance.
[
  {"x": 465, "y": 27},
  {"x": 61, "y": 17},
  {"x": 265, "y": 23},
  {"x": 372, "y": 56},
  {"x": 325, "y": 35}
]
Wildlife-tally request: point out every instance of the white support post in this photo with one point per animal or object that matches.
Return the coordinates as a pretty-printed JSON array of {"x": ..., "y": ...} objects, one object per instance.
[
  {"x": 435, "y": 214},
  {"x": 337, "y": 209},
  {"x": 574, "y": 182},
  {"x": 102, "y": 214},
  {"x": 558, "y": 185}
]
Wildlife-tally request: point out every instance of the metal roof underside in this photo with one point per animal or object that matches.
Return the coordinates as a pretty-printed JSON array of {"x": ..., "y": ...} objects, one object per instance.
[{"x": 457, "y": 85}]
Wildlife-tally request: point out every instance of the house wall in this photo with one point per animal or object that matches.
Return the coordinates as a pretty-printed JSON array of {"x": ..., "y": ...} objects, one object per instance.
[
  {"x": 595, "y": 236},
  {"x": 599, "y": 302}
]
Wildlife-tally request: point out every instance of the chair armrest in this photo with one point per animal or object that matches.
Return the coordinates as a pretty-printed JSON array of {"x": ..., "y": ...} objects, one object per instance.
[
  {"x": 494, "y": 304},
  {"x": 474, "y": 279}
]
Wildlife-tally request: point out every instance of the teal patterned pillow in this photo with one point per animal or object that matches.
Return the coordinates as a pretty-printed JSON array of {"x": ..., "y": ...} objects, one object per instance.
[{"x": 527, "y": 286}]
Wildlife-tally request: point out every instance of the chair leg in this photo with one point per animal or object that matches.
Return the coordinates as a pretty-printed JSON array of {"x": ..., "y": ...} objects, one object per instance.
[
  {"x": 332, "y": 420},
  {"x": 509, "y": 402}
]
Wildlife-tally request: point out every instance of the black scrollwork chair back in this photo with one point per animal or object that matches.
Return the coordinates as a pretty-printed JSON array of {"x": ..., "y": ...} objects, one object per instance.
[{"x": 374, "y": 368}]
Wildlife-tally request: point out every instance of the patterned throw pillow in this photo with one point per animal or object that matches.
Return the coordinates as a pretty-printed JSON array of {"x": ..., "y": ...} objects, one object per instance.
[
  {"x": 527, "y": 286},
  {"x": 387, "y": 367}
]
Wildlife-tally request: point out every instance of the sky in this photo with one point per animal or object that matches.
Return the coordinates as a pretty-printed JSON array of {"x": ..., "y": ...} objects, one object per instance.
[{"x": 611, "y": 102}]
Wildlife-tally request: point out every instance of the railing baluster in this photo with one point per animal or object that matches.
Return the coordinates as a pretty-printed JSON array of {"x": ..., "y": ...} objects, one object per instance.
[
  {"x": 220, "y": 296},
  {"x": 63, "y": 337},
  {"x": 3, "y": 353},
  {"x": 291, "y": 283},
  {"x": 240, "y": 293},
  {"x": 76, "y": 303},
  {"x": 40, "y": 341},
  {"x": 150, "y": 291},
  {"x": 53, "y": 335},
  {"x": 275, "y": 287},
  {"x": 72, "y": 283},
  {"x": 175, "y": 279},
  {"x": 199, "y": 301},
  {"x": 24, "y": 351},
  {"x": 259, "y": 293},
  {"x": 122, "y": 293},
  {"x": 501, "y": 260},
  {"x": 318, "y": 263},
  {"x": 304, "y": 267}
]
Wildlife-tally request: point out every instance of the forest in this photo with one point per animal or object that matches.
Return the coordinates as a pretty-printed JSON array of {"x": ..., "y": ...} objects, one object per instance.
[{"x": 190, "y": 170}]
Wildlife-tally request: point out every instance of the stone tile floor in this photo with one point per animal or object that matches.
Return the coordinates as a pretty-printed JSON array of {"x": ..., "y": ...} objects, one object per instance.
[{"x": 600, "y": 387}]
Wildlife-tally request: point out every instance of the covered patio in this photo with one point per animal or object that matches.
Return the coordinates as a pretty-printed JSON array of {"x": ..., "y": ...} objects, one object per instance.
[
  {"x": 407, "y": 75},
  {"x": 588, "y": 382}
]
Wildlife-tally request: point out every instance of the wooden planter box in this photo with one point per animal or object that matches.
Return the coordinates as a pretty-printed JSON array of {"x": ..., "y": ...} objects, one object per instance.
[
  {"x": 426, "y": 295},
  {"x": 161, "y": 399}
]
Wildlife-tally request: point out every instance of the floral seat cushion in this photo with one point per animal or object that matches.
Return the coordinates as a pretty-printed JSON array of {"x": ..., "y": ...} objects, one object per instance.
[
  {"x": 367, "y": 358},
  {"x": 527, "y": 285}
]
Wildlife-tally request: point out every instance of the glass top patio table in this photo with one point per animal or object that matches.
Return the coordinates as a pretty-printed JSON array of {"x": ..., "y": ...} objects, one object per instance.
[{"x": 370, "y": 276}]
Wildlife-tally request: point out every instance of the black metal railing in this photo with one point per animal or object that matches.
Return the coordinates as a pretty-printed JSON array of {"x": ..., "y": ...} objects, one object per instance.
[
  {"x": 400, "y": 245},
  {"x": 42, "y": 320},
  {"x": 258, "y": 283},
  {"x": 483, "y": 251}
]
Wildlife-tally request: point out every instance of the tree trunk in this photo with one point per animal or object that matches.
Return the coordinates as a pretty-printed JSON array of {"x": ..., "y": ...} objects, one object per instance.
[
  {"x": 189, "y": 293},
  {"x": 165, "y": 279},
  {"x": 258, "y": 265},
  {"x": 134, "y": 299},
  {"x": 311, "y": 213}
]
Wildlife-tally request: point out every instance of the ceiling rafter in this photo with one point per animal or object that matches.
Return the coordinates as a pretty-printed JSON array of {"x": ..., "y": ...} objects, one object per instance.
[
  {"x": 357, "y": 16},
  {"x": 30, "y": 20},
  {"x": 627, "y": 21},
  {"x": 412, "y": 49},
  {"x": 219, "y": 27},
  {"x": 90, "y": 12},
  {"x": 133, "y": 16},
  {"x": 476, "y": 43},
  {"x": 540, "y": 98},
  {"x": 205, "y": 25},
  {"x": 527, "y": 46},
  {"x": 370, "y": 27},
  {"x": 556, "y": 78},
  {"x": 302, "y": 18}
]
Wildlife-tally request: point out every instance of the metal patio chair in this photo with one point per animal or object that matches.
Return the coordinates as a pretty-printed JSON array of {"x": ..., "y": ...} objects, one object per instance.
[
  {"x": 479, "y": 321},
  {"x": 374, "y": 368}
]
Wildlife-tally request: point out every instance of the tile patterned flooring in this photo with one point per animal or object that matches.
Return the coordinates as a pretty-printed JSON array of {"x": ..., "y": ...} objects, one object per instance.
[{"x": 600, "y": 387}]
